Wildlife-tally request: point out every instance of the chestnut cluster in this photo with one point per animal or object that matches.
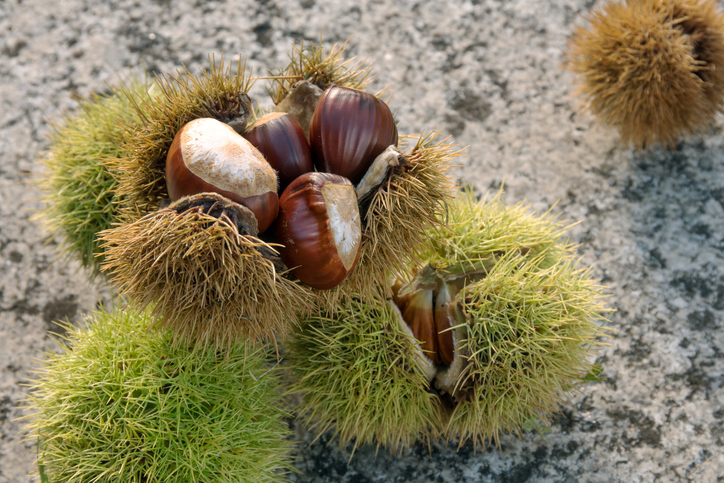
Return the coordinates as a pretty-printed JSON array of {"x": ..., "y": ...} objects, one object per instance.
[{"x": 302, "y": 192}]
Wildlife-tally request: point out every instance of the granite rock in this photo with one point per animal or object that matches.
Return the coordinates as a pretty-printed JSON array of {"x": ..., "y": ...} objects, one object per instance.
[{"x": 486, "y": 72}]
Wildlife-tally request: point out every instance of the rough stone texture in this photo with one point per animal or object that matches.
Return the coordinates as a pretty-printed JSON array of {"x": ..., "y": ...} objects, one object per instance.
[{"x": 488, "y": 73}]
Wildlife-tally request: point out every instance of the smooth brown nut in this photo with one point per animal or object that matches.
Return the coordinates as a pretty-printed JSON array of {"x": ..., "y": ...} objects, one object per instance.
[
  {"x": 320, "y": 229},
  {"x": 417, "y": 312},
  {"x": 445, "y": 318},
  {"x": 209, "y": 156},
  {"x": 349, "y": 129},
  {"x": 280, "y": 138}
]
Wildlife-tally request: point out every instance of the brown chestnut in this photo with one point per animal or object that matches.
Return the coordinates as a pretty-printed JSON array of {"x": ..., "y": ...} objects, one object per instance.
[
  {"x": 417, "y": 312},
  {"x": 430, "y": 314},
  {"x": 320, "y": 229},
  {"x": 349, "y": 129},
  {"x": 280, "y": 138},
  {"x": 445, "y": 318},
  {"x": 209, "y": 156}
]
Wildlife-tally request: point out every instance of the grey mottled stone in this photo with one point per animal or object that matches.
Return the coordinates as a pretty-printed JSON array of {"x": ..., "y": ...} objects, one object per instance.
[{"x": 488, "y": 73}]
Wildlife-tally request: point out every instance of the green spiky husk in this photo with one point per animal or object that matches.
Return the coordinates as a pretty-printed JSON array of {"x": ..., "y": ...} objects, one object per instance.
[
  {"x": 409, "y": 203},
  {"x": 123, "y": 403},
  {"x": 209, "y": 284},
  {"x": 216, "y": 92},
  {"x": 357, "y": 374},
  {"x": 477, "y": 233},
  {"x": 78, "y": 187},
  {"x": 652, "y": 68},
  {"x": 321, "y": 68},
  {"x": 532, "y": 317},
  {"x": 530, "y": 334}
]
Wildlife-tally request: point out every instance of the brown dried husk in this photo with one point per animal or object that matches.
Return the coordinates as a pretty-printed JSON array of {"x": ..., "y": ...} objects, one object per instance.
[
  {"x": 652, "y": 68},
  {"x": 321, "y": 68},
  {"x": 210, "y": 284},
  {"x": 397, "y": 215}
]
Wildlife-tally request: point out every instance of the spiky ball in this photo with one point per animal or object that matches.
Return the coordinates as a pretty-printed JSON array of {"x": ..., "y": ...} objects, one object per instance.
[
  {"x": 654, "y": 69},
  {"x": 78, "y": 187},
  {"x": 527, "y": 319},
  {"x": 531, "y": 316},
  {"x": 122, "y": 403},
  {"x": 357, "y": 373},
  {"x": 210, "y": 283}
]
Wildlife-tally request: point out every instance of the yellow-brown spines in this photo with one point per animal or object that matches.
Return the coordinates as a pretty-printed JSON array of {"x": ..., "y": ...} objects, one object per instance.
[{"x": 654, "y": 69}]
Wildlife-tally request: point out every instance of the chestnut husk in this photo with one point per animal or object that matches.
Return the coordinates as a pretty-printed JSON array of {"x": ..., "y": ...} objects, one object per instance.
[{"x": 201, "y": 266}]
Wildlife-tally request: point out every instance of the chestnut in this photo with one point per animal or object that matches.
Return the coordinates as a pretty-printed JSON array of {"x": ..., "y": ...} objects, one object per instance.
[
  {"x": 430, "y": 314},
  {"x": 349, "y": 129},
  {"x": 280, "y": 138},
  {"x": 209, "y": 156},
  {"x": 417, "y": 312},
  {"x": 320, "y": 229},
  {"x": 445, "y": 318}
]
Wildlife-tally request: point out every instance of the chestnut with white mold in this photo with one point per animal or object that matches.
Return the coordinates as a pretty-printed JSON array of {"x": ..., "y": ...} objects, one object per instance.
[
  {"x": 209, "y": 156},
  {"x": 320, "y": 229}
]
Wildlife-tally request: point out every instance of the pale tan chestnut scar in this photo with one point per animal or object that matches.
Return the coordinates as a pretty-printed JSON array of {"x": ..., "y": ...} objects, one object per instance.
[
  {"x": 344, "y": 221},
  {"x": 215, "y": 153},
  {"x": 268, "y": 117}
]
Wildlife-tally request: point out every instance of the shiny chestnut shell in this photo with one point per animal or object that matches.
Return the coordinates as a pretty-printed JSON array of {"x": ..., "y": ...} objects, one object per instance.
[
  {"x": 445, "y": 318},
  {"x": 349, "y": 129},
  {"x": 417, "y": 312},
  {"x": 207, "y": 155},
  {"x": 430, "y": 314},
  {"x": 320, "y": 229},
  {"x": 280, "y": 138}
]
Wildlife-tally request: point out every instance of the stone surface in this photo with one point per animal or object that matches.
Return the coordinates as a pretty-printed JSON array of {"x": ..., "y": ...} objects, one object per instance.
[{"x": 486, "y": 72}]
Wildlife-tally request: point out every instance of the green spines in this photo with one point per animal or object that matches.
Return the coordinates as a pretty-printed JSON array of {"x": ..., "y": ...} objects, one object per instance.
[
  {"x": 528, "y": 318},
  {"x": 358, "y": 374},
  {"x": 476, "y": 234},
  {"x": 125, "y": 404},
  {"x": 531, "y": 323},
  {"x": 531, "y": 316},
  {"x": 79, "y": 188}
]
